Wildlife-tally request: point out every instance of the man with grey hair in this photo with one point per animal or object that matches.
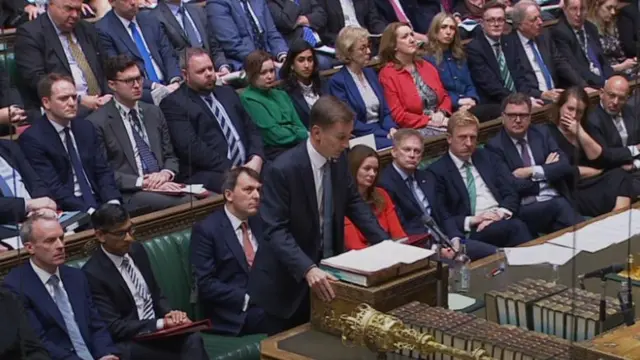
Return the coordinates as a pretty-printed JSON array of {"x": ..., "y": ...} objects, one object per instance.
[
  {"x": 547, "y": 69},
  {"x": 57, "y": 297}
]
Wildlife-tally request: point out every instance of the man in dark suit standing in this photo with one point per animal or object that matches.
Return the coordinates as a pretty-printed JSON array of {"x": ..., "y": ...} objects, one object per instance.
[
  {"x": 578, "y": 40},
  {"x": 538, "y": 54},
  {"x": 307, "y": 193},
  {"x": 361, "y": 13},
  {"x": 186, "y": 26},
  {"x": 490, "y": 59},
  {"x": 136, "y": 140},
  {"x": 541, "y": 171},
  {"x": 613, "y": 125},
  {"x": 59, "y": 41},
  {"x": 473, "y": 190},
  {"x": 140, "y": 36},
  {"x": 128, "y": 297},
  {"x": 223, "y": 247},
  {"x": 57, "y": 298},
  {"x": 65, "y": 150},
  {"x": 413, "y": 191},
  {"x": 210, "y": 129},
  {"x": 628, "y": 20}
]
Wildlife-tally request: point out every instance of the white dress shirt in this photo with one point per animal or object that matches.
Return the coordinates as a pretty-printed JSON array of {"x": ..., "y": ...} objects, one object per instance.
[
  {"x": 317, "y": 166},
  {"x": 76, "y": 72},
  {"x": 485, "y": 201},
  {"x": 537, "y": 69},
  {"x": 126, "y": 23},
  {"x": 308, "y": 94},
  {"x": 369, "y": 97},
  {"x": 236, "y": 224},
  {"x": 44, "y": 276},
  {"x": 117, "y": 261},
  {"x": 14, "y": 180},
  {"x": 621, "y": 127},
  {"x": 416, "y": 188},
  {"x": 349, "y": 13}
]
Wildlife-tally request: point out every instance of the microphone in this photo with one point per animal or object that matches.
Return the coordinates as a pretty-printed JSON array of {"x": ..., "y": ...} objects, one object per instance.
[
  {"x": 430, "y": 224},
  {"x": 599, "y": 273}
]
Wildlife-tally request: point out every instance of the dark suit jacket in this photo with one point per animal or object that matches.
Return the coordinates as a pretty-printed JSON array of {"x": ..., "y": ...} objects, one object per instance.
[
  {"x": 409, "y": 211},
  {"x": 178, "y": 37},
  {"x": 18, "y": 341},
  {"x": 44, "y": 149},
  {"x": 419, "y": 12},
  {"x": 453, "y": 198},
  {"x": 542, "y": 143},
  {"x": 561, "y": 70},
  {"x": 39, "y": 52},
  {"x": 197, "y": 138},
  {"x": 292, "y": 242},
  {"x": 300, "y": 104},
  {"x": 118, "y": 149},
  {"x": 221, "y": 270},
  {"x": 116, "y": 40},
  {"x": 485, "y": 71},
  {"x": 45, "y": 317},
  {"x": 601, "y": 127},
  {"x": 13, "y": 155},
  {"x": 366, "y": 13},
  {"x": 628, "y": 20},
  {"x": 568, "y": 45},
  {"x": 286, "y": 12},
  {"x": 113, "y": 298}
]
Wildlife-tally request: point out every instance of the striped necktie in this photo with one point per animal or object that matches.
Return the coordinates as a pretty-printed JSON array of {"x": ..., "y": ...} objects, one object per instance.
[
  {"x": 147, "y": 158},
  {"x": 470, "y": 183},
  {"x": 93, "y": 88},
  {"x": 235, "y": 151},
  {"x": 504, "y": 70},
  {"x": 141, "y": 289}
]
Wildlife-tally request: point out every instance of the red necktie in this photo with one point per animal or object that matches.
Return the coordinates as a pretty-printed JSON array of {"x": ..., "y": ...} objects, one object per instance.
[{"x": 246, "y": 244}]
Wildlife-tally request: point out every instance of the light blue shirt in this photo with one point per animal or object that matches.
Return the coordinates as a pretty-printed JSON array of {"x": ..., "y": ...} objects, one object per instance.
[
  {"x": 424, "y": 202},
  {"x": 76, "y": 71},
  {"x": 546, "y": 191},
  {"x": 13, "y": 179},
  {"x": 174, "y": 10}
]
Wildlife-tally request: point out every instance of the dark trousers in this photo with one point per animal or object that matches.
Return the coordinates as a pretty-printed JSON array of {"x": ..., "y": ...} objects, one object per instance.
[
  {"x": 504, "y": 233},
  {"x": 477, "y": 249},
  {"x": 301, "y": 316},
  {"x": 543, "y": 217},
  {"x": 255, "y": 322},
  {"x": 181, "y": 347}
]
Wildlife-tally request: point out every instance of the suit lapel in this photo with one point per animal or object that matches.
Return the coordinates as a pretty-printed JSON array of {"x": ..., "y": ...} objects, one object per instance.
[
  {"x": 230, "y": 237},
  {"x": 511, "y": 151},
  {"x": 154, "y": 141},
  {"x": 536, "y": 145},
  {"x": 89, "y": 52},
  {"x": 120, "y": 133},
  {"x": 56, "y": 141},
  {"x": 308, "y": 182},
  {"x": 76, "y": 299},
  {"x": 200, "y": 27},
  {"x": 147, "y": 33},
  {"x": 172, "y": 21},
  {"x": 298, "y": 98},
  {"x": 427, "y": 189},
  {"x": 404, "y": 187},
  {"x": 122, "y": 33},
  {"x": 40, "y": 292},
  {"x": 352, "y": 89},
  {"x": 198, "y": 100},
  {"x": 54, "y": 40},
  {"x": 491, "y": 54},
  {"x": 610, "y": 128},
  {"x": 485, "y": 174},
  {"x": 112, "y": 274},
  {"x": 458, "y": 182}
]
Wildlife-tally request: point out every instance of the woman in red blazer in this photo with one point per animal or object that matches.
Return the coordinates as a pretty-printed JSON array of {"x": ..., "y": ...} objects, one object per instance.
[
  {"x": 412, "y": 86},
  {"x": 364, "y": 164}
]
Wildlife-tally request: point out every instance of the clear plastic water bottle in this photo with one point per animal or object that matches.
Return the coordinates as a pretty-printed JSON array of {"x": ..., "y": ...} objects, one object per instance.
[
  {"x": 464, "y": 284},
  {"x": 555, "y": 274}
]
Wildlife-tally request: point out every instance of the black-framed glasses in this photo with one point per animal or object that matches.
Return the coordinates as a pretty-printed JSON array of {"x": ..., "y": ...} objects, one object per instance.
[
  {"x": 131, "y": 81},
  {"x": 516, "y": 116},
  {"x": 123, "y": 233}
]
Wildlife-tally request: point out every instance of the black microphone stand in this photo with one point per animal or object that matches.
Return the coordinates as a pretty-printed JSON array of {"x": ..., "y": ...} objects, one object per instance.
[
  {"x": 439, "y": 270},
  {"x": 603, "y": 301}
]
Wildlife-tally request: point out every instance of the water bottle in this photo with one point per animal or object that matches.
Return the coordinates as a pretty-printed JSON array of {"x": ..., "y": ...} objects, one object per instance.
[
  {"x": 555, "y": 274},
  {"x": 464, "y": 272}
]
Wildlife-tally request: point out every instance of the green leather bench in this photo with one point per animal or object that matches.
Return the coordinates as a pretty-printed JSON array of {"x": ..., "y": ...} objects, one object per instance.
[{"x": 169, "y": 257}]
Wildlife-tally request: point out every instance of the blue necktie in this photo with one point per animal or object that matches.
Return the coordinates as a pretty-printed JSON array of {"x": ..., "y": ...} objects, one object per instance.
[
  {"x": 191, "y": 32},
  {"x": 327, "y": 212},
  {"x": 234, "y": 144},
  {"x": 62, "y": 301},
  {"x": 545, "y": 71},
  {"x": 146, "y": 57},
  {"x": 148, "y": 160},
  {"x": 4, "y": 185},
  {"x": 85, "y": 187}
]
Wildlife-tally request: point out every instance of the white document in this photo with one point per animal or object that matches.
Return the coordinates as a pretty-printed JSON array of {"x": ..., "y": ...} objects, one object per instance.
[
  {"x": 230, "y": 77},
  {"x": 159, "y": 93},
  {"x": 540, "y": 254},
  {"x": 378, "y": 257},
  {"x": 368, "y": 140},
  {"x": 14, "y": 242},
  {"x": 195, "y": 189},
  {"x": 458, "y": 302},
  {"x": 326, "y": 50}
]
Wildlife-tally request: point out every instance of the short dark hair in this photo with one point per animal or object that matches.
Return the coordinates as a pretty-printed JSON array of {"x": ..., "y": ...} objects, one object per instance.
[
  {"x": 516, "y": 99},
  {"x": 253, "y": 64},
  {"x": 493, "y": 4},
  {"x": 329, "y": 110},
  {"x": 186, "y": 55},
  {"x": 231, "y": 177},
  {"x": 117, "y": 64},
  {"x": 109, "y": 216},
  {"x": 46, "y": 83}
]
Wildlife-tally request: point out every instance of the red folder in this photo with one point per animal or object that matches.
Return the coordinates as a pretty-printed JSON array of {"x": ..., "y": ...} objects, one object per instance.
[{"x": 178, "y": 330}]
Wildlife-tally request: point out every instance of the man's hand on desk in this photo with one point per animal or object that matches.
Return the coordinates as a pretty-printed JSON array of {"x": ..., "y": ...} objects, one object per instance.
[
  {"x": 155, "y": 180},
  {"x": 175, "y": 318},
  {"x": 320, "y": 282}
]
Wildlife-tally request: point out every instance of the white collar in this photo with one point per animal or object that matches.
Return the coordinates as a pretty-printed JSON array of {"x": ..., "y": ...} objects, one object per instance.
[
  {"x": 317, "y": 160},
  {"x": 459, "y": 162},
  {"x": 402, "y": 173},
  {"x": 115, "y": 259},
  {"x": 44, "y": 275},
  {"x": 515, "y": 141},
  {"x": 523, "y": 39},
  {"x": 126, "y": 22},
  {"x": 235, "y": 222},
  {"x": 59, "y": 128}
]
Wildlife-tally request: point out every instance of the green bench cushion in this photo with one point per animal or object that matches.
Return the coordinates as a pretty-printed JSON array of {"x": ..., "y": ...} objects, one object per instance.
[{"x": 236, "y": 348}]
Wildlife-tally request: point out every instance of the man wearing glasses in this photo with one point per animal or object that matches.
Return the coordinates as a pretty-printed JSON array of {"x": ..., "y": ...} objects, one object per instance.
[
  {"x": 128, "y": 297},
  {"x": 540, "y": 169},
  {"x": 136, "y": 139}
]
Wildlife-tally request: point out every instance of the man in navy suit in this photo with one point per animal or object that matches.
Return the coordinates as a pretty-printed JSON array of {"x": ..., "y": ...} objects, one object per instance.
[
  {"x": 413, "y": 191},
  {"x": 64, "y": 150},
  {"x": 128, "y": 296},
  {"x": 57, "y": 298},
  {"x": 540, "y": 169},
  {"x": 140, "y": 36},
  {"x": 210, "y": 129},
  {"x": 223, "y": 248},
  {"x": 489, "y": 57},
  {"x": 244, "y": 26},
  {"x": 474, "y": 194},
  {"x": 307, "y": 193}
]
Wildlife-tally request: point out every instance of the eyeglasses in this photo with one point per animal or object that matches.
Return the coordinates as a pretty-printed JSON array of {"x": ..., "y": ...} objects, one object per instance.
[
  {"x": 121, "y": 234},
  {"x": 131, "y": 81},
  {"x": 517, "y": 116},
  {"x": 495, "y": 21}
]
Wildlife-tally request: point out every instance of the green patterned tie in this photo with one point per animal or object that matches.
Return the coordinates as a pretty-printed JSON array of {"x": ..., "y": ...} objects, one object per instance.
[
  {"x": 471, "y": 187},
  {"x": 504, "y": 70}
]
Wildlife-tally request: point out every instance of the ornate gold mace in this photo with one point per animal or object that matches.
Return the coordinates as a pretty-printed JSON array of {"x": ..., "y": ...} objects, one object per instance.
[{"x": 384, "y": 333}]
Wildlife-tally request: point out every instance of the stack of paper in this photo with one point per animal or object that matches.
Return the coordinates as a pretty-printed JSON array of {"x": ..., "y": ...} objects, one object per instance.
[
  {"x": 540, "y": 254},
  {"x": 378, "y": 257}
]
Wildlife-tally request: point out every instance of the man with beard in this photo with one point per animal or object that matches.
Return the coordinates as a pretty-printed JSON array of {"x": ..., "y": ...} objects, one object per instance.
[{"x": 210, "y": 129}]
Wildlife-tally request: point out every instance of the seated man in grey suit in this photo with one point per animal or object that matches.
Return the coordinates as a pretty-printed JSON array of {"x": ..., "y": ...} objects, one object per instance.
[{"x": 136, "y": 140}]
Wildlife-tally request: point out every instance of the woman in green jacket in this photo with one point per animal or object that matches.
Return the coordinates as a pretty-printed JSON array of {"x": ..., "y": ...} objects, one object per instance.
[{"x": 271, "y": 109}]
